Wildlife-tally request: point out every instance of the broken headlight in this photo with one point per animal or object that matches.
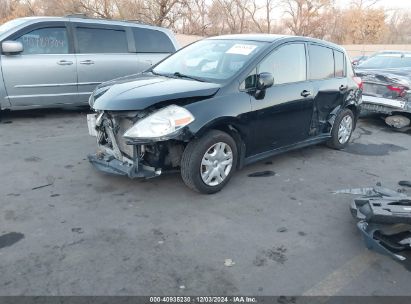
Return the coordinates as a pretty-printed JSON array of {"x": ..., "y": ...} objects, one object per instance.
[{"x": 162, "y": 123}]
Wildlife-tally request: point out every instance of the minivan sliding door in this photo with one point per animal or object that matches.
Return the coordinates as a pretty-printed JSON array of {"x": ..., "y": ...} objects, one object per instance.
[{"x": 103, "y": 54}]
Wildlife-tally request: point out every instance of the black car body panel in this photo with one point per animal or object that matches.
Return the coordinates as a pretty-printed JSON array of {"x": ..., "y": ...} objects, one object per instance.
[
  {"x": 263, "y": 123},
  {"x": 145, "y": 90}
]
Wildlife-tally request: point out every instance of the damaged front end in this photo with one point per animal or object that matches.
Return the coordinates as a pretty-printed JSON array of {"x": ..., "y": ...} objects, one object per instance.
[{"x": 135, "y": 158}]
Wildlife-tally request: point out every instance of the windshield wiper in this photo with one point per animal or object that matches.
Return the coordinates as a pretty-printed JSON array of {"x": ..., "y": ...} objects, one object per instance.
[
  {"x": 155, "y": 73},
  {"x": 180, "y": 75}
]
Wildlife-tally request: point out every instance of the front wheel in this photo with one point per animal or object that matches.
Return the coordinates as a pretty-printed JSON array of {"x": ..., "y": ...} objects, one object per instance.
[
  {"x": 208, "y": 163},
  {"x": 342, "y": 130}
]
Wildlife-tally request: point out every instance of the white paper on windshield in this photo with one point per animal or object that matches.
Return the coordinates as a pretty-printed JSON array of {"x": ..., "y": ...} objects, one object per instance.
[{"x": 241, "y": 49}]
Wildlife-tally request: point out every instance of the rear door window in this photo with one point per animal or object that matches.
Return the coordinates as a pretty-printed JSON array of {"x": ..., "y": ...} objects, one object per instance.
[
  {"x": 152, "y": 41},
  {"x": 321, "y": 62},
  {"x": 51, "y": 40},
  {"x": 287, "y": 64},
  {"x": 99, "y": 40}
]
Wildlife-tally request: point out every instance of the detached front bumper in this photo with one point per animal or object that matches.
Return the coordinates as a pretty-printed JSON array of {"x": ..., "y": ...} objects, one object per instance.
[{"x": 133, "y": 169}]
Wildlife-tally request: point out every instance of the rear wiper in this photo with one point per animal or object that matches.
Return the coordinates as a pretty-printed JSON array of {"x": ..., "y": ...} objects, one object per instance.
[{"x": 180, "y": 75}]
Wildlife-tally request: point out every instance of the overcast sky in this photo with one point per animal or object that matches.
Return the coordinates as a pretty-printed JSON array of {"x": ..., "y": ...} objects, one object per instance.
[{"x": 390, "y": 4}]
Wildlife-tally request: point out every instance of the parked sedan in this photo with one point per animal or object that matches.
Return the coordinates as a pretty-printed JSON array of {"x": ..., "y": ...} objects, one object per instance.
[
  {"x": 222, "y": 103},
  {"x": 387, "y": 83}
]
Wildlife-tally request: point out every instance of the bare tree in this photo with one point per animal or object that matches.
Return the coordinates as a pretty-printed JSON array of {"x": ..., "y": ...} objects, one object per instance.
[
  {"x": 364, "y": 4},
  {"x": 305, "y": 17}
]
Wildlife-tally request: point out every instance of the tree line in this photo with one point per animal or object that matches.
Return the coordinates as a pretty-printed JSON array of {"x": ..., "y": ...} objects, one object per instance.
[{"x": 359, "y": 22}]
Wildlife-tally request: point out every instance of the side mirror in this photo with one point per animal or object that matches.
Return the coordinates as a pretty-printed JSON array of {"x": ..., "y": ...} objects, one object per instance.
[
  {"x": 264, "y": 81},
  {"x": 12, "y": 47}
]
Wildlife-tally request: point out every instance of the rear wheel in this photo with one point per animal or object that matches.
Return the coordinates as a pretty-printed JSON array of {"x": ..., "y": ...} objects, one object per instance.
[
  {"x": 397, "y": 121},
  {"x": 342, "y": 130},
  {"x": 209, "y": 162}
]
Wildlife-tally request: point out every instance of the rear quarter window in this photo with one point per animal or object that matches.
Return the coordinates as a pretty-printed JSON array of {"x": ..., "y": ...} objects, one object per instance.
[
  {"x": 339, "y": 64},
  {"x": 152, "y": 41},
  {"x": 321, "y": 62}
]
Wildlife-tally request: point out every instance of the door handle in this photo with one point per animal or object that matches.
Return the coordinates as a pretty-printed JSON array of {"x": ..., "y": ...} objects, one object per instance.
[
  {"x": 87, "y": 62},
  {"x": 64, "y": 62},
  {"x": 343, "y": 88},
  {"x": 306, "y": 93}
]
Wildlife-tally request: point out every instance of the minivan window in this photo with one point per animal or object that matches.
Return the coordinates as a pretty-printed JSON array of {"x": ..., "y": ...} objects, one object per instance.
[
  {"x": 52, "y": 40},
  {"x": 152, "y": 41},
  {"x": 321, "y": 62},
  {"x": 287, "y": 64},
  {"x": 98, "y": 40},
  {"x": 339, "y": 64}
]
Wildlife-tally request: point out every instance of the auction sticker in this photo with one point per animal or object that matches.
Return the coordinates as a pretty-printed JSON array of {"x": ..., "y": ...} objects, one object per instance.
[{"x": 241, "y": 49}]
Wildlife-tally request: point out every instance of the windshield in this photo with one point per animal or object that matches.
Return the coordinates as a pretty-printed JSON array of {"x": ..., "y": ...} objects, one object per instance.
[
  {"x": 210, "y": 60},
  {"x": 9, "y": 25},
  {"x": 387, "y": 61}
]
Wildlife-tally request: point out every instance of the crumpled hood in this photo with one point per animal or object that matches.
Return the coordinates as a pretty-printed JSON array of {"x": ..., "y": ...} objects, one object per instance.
[
  {"x": 138, "y": 92},
  {"x": 400, "y": 76}
]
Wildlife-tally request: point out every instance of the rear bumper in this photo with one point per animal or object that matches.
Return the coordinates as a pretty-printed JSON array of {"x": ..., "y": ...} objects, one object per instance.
[
  {"x": 384, "y": 105},
  {"x": 109, "y": 164}
]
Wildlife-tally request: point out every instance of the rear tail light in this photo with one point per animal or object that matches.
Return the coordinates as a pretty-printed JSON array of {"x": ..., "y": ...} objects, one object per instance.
[
  {"x": 359, "y": 82},
  {"x": 400, "y": 90}
]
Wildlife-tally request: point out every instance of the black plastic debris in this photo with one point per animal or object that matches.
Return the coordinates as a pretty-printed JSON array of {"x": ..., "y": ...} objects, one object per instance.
[
  {"x": 9, "y": 239},
  {"x": 262, "y": 174},
  {"x": 405, "y": 183},
  {"x": 382, "y": 210},
  {"x": 384, "y": 219}
]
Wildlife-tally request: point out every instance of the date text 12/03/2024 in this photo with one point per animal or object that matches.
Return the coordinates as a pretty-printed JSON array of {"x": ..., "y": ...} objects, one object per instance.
[{"x": 201, "y": 299}]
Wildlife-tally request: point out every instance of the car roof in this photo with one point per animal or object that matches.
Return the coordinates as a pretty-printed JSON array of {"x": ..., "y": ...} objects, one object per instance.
[
  {"x": 83, "y": 19},
  {"x": 392, "y": 52},
  {"x": 271, "y": 38}
]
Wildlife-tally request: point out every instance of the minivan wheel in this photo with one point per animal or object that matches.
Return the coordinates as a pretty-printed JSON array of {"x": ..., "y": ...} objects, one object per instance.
[
  {"x": 208, "y": 163},
  {"x": 342, "y": 130}
]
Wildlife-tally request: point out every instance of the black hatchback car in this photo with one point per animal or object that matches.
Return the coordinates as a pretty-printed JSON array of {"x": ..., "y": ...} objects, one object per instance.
[{"x": 222, "y": 103}]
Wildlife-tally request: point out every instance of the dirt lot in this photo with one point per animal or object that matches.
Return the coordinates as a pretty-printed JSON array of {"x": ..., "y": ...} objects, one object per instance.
[{"x": 80, "y": 232}]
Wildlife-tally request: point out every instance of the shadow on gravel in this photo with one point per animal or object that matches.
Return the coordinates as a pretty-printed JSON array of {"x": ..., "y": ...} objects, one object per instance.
[
  {"x": 9, "y": 239},
  {"x": 373, "y": 149},
  {"x": 375, "y": 120},
  {"x": 7, "y": 117}
]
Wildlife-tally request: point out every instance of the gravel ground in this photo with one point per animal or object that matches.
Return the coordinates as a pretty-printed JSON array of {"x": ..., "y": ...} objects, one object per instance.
[{"x": 66, "y": 229}]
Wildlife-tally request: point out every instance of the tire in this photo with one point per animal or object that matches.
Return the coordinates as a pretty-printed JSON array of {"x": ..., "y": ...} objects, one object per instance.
[
  {"x": 197, "y": 160},
  {"x": 337, "y": 140},
  {"x": 397, "y": 121}
]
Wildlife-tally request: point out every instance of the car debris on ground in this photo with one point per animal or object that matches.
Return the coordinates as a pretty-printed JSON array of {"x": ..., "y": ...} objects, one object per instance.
[
  {"x": 384, "y": 220},
  {"x": 229, "y": 262}
]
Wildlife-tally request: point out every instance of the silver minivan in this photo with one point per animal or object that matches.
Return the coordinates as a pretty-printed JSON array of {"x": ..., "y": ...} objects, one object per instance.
[{"x": 58, "y": 61}]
